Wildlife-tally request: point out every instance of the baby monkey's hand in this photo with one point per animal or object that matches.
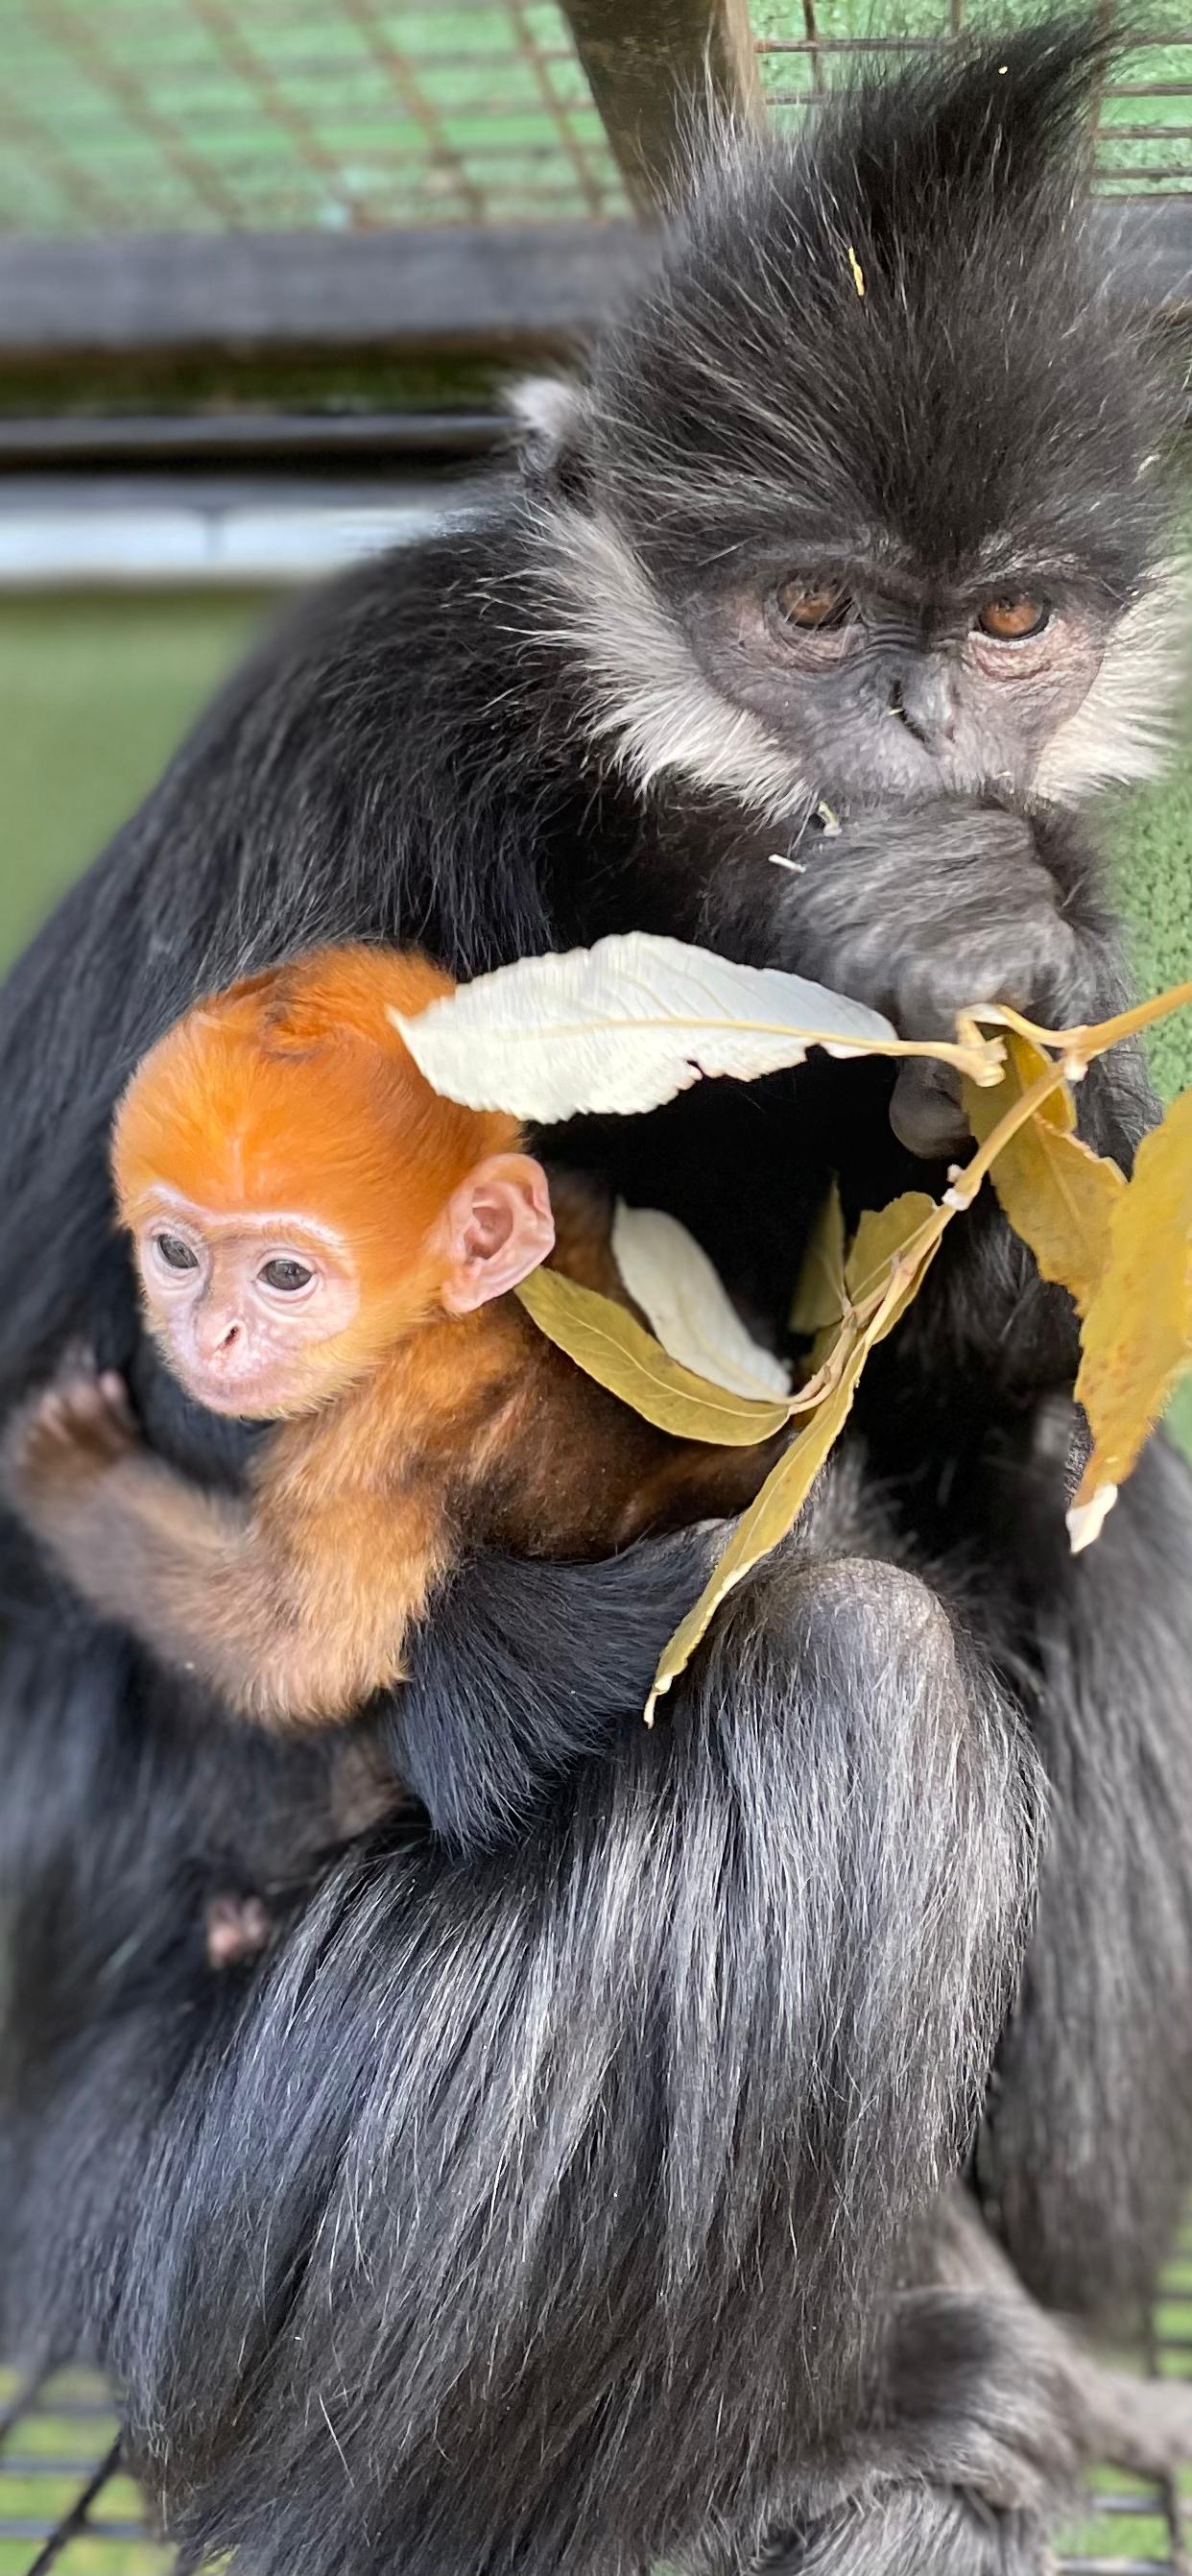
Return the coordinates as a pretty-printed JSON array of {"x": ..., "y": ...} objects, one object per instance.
[{"x": 73, "y": 1432}]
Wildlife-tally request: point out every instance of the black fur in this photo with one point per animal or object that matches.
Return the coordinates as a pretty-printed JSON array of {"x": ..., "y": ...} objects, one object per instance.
[
  {"x": 398, "y": 2248},
  {"x": 742, "y": 372},
  {"x": 550, "y": 2198}
]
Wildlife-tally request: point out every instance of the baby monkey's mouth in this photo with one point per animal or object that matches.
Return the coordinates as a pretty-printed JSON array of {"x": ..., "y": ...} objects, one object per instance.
[{"x": 253, "y": 1394}]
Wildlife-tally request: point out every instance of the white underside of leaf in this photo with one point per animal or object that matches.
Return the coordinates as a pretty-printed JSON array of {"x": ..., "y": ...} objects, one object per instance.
[
  {"x": 1087, "y": 1520},
  {"x": 668, "y": 1274},
  {"x": 624, "y": 1026}
]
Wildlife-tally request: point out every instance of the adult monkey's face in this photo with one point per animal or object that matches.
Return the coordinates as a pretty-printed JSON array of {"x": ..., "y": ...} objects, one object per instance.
[
  {"x": 888, "y": 682},
  {"x": 864, "y": 500}
]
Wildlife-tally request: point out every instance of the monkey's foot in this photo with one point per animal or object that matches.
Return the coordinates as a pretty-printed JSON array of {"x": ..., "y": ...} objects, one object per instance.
[
  {"x": 1143, "y": 2425},
  {"x": 932, "y": 2531},
  {"x": 238, "y": 1928},
  {"x": 78, "y": 1427}
]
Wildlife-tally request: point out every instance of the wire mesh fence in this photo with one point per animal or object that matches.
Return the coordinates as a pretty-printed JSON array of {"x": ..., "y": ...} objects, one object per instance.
[
  {"x": 67, "y": 2506},
  {"x": 1144, "y": 124},
  {"x": 192, "y": 116},
  {"x": 64, "y": 2501},
  {"x": 228, "y": 115}
]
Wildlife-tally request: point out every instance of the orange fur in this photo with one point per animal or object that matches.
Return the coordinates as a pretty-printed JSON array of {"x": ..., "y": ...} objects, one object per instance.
[
  {"x": 293, "y": 1094},
  {"x": 292, "y": 1091}
]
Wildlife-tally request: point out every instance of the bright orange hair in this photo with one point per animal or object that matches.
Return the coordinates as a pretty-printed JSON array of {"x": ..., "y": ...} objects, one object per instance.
[{"x": 293, "y": 1092}]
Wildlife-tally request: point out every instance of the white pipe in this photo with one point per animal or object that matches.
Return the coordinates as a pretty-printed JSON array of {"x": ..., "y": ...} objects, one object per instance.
[{"x": 73, "y": 547}]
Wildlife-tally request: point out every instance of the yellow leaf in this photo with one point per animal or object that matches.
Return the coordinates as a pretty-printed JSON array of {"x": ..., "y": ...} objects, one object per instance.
[
  {"x": 914, "y": 1264},
  {"x": 892, "y": 1250},
  {"x": 856, "y": 271},
  {"x": 1058, "y": 1195},
  {"x": 896, "y": 1246},
  {"x": 882, "y": 1238},
  {"x": 771, "y": 1514},
  {"x": 1137, "y": 1337},
  {"x": 986, "y": 1106},
  {"x": 611, "y": 1346},
  {"x": 820, "y": 1298}
]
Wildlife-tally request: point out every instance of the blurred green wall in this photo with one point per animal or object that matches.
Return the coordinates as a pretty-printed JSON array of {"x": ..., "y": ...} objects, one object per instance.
[{"x": 96, "y": 689}]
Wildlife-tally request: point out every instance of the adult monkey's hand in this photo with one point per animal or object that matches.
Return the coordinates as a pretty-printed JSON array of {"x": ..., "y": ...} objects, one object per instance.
[{"x": 923, "y": 912}]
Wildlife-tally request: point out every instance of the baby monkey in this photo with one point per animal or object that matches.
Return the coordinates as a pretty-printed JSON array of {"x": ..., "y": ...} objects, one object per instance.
[{"x": 326, "y": 1244}]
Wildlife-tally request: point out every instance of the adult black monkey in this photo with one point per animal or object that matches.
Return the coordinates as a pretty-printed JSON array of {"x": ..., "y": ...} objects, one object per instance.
[{"x": 514, "y": 2215}]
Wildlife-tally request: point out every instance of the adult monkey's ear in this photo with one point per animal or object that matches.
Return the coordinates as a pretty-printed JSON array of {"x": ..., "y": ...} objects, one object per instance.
[{"x": 552, "y": 434}]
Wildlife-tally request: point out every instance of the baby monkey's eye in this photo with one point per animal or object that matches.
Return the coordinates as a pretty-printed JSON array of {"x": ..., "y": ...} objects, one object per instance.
[
  {"x": 286, "y": 1274},
  {"x": 813, "y": 603},
  {"x": 1012, "y": 619},
  {"x": 176, "y": 1254}
]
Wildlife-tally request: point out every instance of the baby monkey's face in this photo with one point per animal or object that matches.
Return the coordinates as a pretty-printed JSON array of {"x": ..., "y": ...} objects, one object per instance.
[
  {"x": 267, "y": 1312},
  {"x": 244, "y": 1303}
]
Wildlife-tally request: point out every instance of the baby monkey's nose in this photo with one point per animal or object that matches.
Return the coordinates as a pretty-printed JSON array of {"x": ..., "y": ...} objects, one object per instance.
[{"x": 221, "y": 1341}]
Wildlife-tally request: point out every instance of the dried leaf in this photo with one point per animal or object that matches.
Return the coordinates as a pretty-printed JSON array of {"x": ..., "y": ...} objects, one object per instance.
[
  {"x": 895, "y": 1245},
  {"x": 820, "y": 1298},
  {"x": 1137, "y": 1336},
  {"x": 1058, "y": 1195},
  {"x": 681, "y": 1294},
  {"x": 611, "y": 1346},
  {"x": 856, "y": 271},
  {"x": 882, "y": 1238},
  {"x": 770, "y": 1516},
  {"x": 625, "y": 1025},
  {"x": 1024, "y": 1063},
  {"x": 909, "y": 1272}
]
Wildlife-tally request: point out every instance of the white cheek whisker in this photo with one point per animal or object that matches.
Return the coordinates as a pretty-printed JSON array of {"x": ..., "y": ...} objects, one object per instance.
[
  {"x": 1122, "y": 730},
  {"x": 648, "y": 701}
]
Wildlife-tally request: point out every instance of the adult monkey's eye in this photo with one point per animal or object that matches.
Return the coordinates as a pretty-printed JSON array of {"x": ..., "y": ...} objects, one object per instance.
[
  {"x": 286, "y": 1275},
  {"x": 176, "y": 1254},
  {"x": 813, "y": 603},
  {"x": 1012, "y": 619}
]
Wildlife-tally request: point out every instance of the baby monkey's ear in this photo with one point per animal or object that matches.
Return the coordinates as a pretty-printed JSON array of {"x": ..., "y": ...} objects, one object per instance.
[{"x": 498, "y": 1228}]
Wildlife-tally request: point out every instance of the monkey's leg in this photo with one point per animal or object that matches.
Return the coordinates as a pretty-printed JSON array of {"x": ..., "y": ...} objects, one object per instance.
[
  {"x": 530, "y": 2214},
  {"x": 912, "y": 2530},
  {"x": 1085, "y": 2157},
  {"x": 990, "y": 2412},
  {"x": 1144, "y": 2426},
  {"x": 1087, "y": 2152}
]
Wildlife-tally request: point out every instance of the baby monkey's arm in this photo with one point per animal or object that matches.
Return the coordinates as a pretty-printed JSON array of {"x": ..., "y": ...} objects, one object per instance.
[{"x": 284, "y": 1635}]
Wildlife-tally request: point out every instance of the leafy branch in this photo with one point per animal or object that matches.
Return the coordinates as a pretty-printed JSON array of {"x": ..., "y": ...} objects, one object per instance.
[{"x": 627, "y": 1024}]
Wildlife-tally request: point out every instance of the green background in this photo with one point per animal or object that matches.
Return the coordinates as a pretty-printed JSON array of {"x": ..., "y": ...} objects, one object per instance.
[{"x": 95, "y": 691}]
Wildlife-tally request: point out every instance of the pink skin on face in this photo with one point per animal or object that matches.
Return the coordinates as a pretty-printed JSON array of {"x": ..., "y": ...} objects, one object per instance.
[{"x": 239, "y": 1300}]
